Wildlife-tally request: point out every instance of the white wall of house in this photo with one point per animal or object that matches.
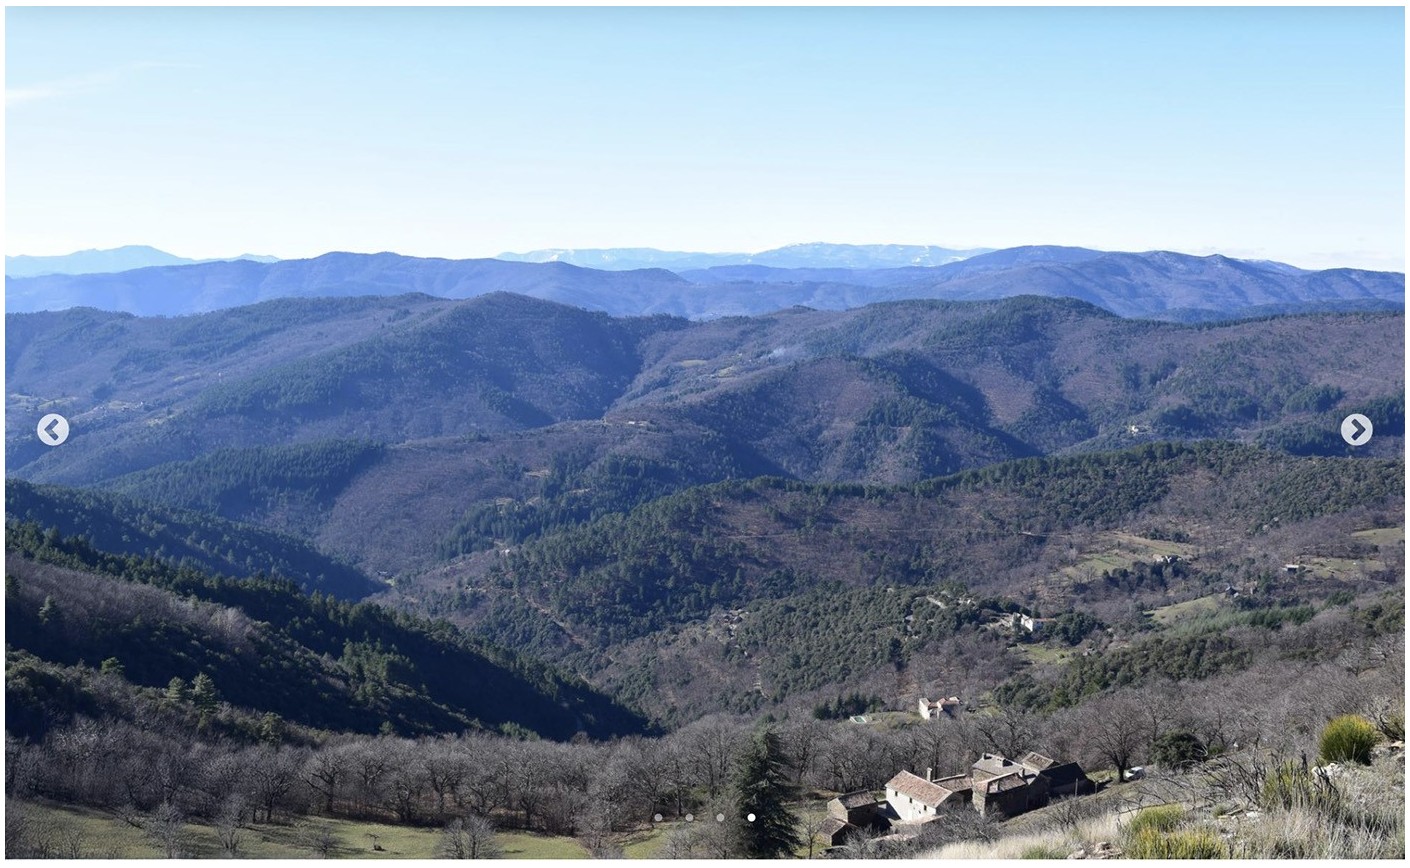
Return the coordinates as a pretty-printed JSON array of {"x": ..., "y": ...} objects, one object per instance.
[{"x": 906, "y": 808}]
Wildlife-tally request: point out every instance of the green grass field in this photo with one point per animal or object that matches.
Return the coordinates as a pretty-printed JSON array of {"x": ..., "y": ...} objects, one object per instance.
[
  {"x": 91, "y": 833},
  {"x": 1119, "y": 550},
  {"x": 646, "y": 844},
  {"x": 101, "y": 835},
  {"x": 1167, "y": 615},
  {"x": 1385, "y": 537},
  {"x": 1038, "y": 654},
  {"x": 1339, "y": 568}
]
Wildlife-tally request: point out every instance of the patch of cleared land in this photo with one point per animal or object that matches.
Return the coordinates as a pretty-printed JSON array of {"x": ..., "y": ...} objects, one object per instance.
[
  {"x": 1384, "y": 537},
  {"x": 1120, "y": 550},
  {"x": 1339, "y": 568},
  {"x": 101, "y": 835},
  {"x": 1167, "y": 615},
  {"x": 1038, "y": 653}
]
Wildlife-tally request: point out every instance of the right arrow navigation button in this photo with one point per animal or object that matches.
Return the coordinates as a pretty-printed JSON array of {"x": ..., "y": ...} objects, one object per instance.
[{"x": 1356, "y": 429}]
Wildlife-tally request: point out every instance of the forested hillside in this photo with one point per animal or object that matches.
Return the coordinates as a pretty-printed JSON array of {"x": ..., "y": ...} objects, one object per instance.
[
  {"x": 494, "y": 419},
  {"x": 763, "y": 591},
  {"x": 307, "y": 522},
  {"x": 181, "y": 536},
  {"x": 259, "y": 644}
]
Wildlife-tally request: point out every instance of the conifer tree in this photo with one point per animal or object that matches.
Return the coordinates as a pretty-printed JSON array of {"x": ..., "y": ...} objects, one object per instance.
[
  {"x": 175, "y": 690},
  {"x": 762, "y": 790},
  {"x": 203, "y": 693}
]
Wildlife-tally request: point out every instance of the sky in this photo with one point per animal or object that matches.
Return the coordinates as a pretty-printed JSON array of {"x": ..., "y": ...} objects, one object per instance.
[{"x": 1267, "y": 133}]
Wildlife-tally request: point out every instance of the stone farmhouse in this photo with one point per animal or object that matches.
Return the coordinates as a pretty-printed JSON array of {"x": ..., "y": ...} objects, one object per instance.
[
  {"x": 993, "y": 786},
  {"x": 850, "y": 812}
]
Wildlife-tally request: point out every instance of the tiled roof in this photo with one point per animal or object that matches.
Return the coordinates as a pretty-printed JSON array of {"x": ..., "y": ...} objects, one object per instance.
[
  {"x": 1065, "y": 774},
  {"x": 954, "y": 783},
  {"x": 856, "y": 800},
  {"x": 1037, "y": 761},
  {"x": 918, "y": 788},
  {"x": 831, "y": 826},
  {"x": 995, "y": 765},
  {"x": 1011, "y": 781}
]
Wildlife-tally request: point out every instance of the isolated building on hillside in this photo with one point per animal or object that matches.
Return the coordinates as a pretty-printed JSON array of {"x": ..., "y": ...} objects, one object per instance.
[
  {"x": 932, "y": 710},
  {"x": 1030, "y": 624}
]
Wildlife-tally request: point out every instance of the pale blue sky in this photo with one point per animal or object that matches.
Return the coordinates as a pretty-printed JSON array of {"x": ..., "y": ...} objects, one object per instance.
[{"x": 1267, "y": 133}]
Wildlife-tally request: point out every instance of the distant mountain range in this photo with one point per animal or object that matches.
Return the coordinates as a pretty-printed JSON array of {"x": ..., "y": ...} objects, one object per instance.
[
  {"x": 106, "y": 261},
  {"x": 372, "y": 425},
  {"x": 1159, "y": 285},
  {"x": 577, "y": 486},
  {"x": 817, "y": 255}
]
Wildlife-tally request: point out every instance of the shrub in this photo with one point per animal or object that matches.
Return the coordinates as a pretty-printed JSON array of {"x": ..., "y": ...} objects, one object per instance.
[
  {"x": 1348, "y": 738},
  {"x": 1151, "y": 843},
  {"x": 1291, "y": 786},
  {"x": 1162, "y": 818},
  {"x": 1391, "y": 723},
  {"x": 1179, "y": 750}
]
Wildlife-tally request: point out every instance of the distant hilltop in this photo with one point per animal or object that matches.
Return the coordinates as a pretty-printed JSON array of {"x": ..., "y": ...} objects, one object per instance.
[
  {"x": 816, "y": 255},
  {"x": 107, "y": 261},
  {"x": 1154, "y": 284}
]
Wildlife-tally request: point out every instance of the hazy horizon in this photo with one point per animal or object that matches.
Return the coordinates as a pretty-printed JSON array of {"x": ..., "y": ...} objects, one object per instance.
[{"x": 462, "y": 133}]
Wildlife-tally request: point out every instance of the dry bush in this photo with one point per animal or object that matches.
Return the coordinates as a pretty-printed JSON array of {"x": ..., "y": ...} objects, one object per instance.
[
  {"x": 1105, "y": 826},
  {"x": 1151, "y": 843},
  {"x": 1162, "y": 818}
]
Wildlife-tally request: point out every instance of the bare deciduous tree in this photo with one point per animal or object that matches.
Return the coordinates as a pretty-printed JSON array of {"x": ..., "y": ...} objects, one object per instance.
[
  {"x": 1115, "y": 729},
  {"x": 167, "y": 827},
  {"x": 318, "y": 838},
  {"x": 1009, "y": 731},
  {"x": 469, "y": 837},
  {"x": 229, "y": 822}
]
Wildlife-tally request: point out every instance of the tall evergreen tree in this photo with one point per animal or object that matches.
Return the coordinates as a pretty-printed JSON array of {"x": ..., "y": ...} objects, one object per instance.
[
  {"x": 762, "y": 789},
  {"x": 49, "y": 612},
  {"x": 176, "y": 691},
  {"x": 204, "y": 694}
]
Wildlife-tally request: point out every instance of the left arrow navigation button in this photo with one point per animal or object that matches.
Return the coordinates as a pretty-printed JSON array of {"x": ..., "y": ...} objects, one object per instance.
[{"x": 53, "y": 429}]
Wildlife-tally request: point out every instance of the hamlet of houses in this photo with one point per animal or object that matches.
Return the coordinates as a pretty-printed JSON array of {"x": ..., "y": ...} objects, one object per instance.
[{"x": 993, "y": 786}]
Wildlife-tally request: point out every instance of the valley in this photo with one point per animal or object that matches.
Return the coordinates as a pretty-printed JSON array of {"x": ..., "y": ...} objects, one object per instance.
[{"x": 500, "y": 536}]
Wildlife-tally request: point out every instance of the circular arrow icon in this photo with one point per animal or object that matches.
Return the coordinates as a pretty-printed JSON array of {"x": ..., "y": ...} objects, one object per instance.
[
  {"x": 53, "y": 429},
  {"x": 1356, "y": 429}
]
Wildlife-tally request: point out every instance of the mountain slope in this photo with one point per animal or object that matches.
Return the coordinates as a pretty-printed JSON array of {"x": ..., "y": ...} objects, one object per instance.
[
  {"x": 291, "y": 371},
  {"x": 267, "y": 647},
  {"x": 217, "y": 285},
  {"x": 743, "y": 595},
  {"x": 124, "y": 526},
  {"x": 104, "y": 261},
  {"x": 484, "y": 422},
  {"x": 1147, "y": 284}
]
